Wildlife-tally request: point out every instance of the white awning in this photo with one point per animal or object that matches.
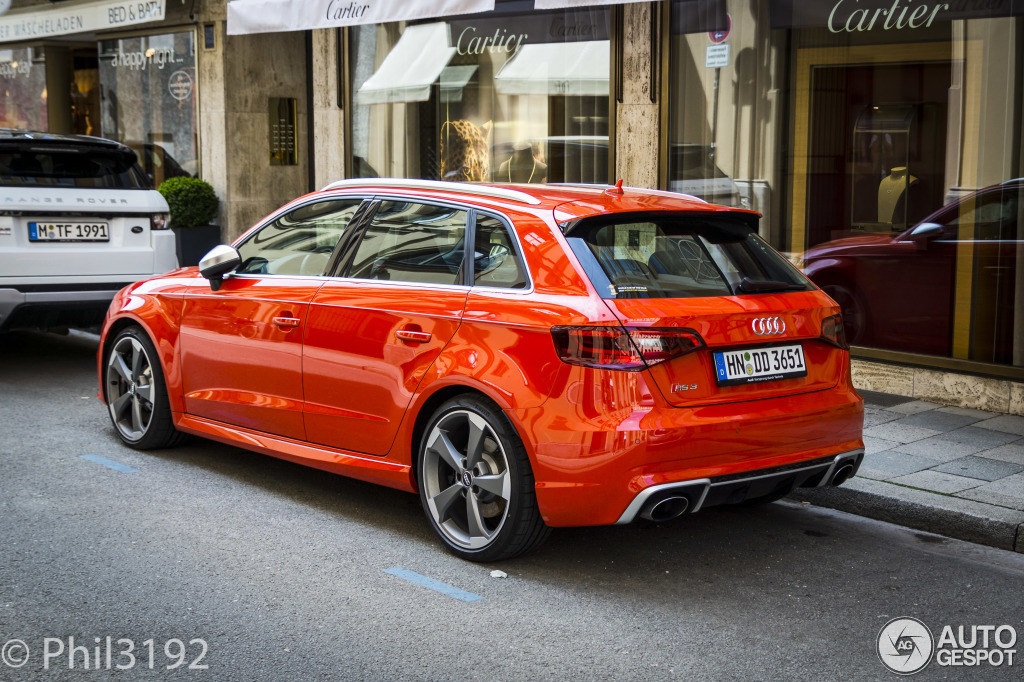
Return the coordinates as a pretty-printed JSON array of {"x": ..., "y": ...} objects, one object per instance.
[
  {"x": 557, "y": 69},
  {"x": 269, "y": 16},
  {"x": 453, "y": 81},
  {"x": 411, "y": 68},
  {"x": 46, "y": 21}
]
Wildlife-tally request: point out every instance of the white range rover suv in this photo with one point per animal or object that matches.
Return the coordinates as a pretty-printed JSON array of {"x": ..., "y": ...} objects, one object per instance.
[{"x": 78, "y": 221}]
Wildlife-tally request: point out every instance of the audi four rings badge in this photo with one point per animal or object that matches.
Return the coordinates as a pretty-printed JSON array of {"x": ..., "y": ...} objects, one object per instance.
[{"x": 763, "y": 326}]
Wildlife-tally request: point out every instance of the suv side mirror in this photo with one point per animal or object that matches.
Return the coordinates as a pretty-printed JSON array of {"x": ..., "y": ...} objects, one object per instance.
[{"x": 219, "y": 261}]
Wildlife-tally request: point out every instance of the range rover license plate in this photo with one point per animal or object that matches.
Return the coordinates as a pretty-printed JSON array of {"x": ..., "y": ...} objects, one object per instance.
[{"x": 68, "y": 232}]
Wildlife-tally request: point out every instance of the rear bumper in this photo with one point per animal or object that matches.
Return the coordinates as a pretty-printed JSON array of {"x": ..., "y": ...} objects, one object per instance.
[
  {"x": 738, "y": 488},
  {"x": 53, "y": 299},
  {"x": 594, "y": 474}
]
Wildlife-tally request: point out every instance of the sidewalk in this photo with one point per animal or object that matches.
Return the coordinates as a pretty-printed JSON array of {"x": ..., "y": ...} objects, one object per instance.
[{"x": 945, "y": 470}]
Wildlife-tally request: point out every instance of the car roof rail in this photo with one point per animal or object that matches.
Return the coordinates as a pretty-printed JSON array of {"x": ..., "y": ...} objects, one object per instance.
[
  {"x": 1014, "y": 181},
  {"x": 656, "y": 192},
  {"x": 437, "y": 185}
]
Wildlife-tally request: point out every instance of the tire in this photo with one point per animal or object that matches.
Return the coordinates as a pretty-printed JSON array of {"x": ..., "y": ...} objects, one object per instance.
[
  {"x": 479, "y": 499},
  {"x": 136, "y": 394},
  {"x": 854, "y": 311}
]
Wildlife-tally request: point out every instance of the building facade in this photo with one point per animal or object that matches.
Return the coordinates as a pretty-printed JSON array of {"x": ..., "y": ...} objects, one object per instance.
[{"x": 882, "y": 140}]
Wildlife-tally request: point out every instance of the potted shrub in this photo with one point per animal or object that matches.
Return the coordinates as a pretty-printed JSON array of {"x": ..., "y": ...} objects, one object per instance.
[{"x": 193, "y": 205}]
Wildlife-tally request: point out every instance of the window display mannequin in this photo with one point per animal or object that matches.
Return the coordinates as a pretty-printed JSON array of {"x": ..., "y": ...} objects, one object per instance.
[
  {"x": 890, "y": 191},
  {"x": 523, "y": 166}
]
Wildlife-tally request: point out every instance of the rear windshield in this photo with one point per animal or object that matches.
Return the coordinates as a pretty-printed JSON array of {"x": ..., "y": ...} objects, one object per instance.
[
  {"x": 70, "y": 167},
  {"x": 679, "y": 255}
]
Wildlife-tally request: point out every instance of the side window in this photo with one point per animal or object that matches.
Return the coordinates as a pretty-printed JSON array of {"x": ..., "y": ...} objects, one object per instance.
[
  {"x": 300, "y": 242},
  {"x": 495, "y": 262},
  {"x": 411, "y": 242}
]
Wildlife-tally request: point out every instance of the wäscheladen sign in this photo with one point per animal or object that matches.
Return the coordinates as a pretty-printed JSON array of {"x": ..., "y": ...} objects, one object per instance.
[{"x": 47, "y": 21}]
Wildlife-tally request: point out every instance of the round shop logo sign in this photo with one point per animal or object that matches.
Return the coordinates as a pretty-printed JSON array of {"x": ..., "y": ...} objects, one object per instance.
[
  {"x": 905, "y": 646},
  {"x": 180, "y": 85}
]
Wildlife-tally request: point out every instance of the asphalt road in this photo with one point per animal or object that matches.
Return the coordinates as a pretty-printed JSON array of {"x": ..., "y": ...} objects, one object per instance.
[{"x": 265, "y": 570}]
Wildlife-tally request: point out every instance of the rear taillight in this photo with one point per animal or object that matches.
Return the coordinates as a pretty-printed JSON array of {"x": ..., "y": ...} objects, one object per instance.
[
  {"x": 832, "y": 332},
  {"x": 631, "y": 348},
  {"x": 159, "y": 221}
]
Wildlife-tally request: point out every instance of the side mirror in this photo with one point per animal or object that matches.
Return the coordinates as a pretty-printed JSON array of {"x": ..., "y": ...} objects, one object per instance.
[
  {"x": 219, "y": 261},
  {"x": 923, "y": 232}
]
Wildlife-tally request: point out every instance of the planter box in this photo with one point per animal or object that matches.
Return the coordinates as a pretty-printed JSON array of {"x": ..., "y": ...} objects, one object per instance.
[{"x": 194, "y": 242}]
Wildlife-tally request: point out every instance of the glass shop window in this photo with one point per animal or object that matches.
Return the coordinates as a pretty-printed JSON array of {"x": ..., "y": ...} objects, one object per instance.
[
  {"x": 513, "y": 95},
  {"x": 883, "y": 150},
  {"x": 148, "y": 101},
  {"x": 23, "y": 84}
]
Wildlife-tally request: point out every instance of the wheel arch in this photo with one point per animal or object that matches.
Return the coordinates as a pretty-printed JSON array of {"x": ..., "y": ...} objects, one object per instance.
[
  {"x": 428, "y": 405},
  {"x": 166, "y": 356}
]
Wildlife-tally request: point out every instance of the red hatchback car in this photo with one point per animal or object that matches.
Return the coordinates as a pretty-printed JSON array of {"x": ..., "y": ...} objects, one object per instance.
[{"x": 596, "y": 355}]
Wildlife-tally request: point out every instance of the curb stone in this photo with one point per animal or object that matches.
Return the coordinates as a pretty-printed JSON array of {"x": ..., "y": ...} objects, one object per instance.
[{"x": 953, "y": 517}]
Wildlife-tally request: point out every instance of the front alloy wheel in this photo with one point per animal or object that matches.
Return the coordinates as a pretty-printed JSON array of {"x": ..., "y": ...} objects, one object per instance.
[
  {"x": 130, "y": 388},
  {"x": 136, "y": 395},
  {"x": 476, "y": 485}
]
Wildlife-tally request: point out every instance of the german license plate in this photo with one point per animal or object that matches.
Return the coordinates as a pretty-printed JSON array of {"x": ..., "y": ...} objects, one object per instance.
[
  {"x": 68, "y": 232},
  {"x": 753, "y": 365}
]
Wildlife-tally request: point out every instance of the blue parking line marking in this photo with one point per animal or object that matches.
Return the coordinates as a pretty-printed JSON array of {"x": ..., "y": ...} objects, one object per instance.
[
  {"x": 431, "y": 584},
  {"x": 110, "y": 464}
]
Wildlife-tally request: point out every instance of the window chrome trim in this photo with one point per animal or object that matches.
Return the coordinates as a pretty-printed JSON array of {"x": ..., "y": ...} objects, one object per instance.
[
  {"x": 362, "y": 218},
  {"x": 451, "y": 203},
  {"x": 370, "y": 184}
]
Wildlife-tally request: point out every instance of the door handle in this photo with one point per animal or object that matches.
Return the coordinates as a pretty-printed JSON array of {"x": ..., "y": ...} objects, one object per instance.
[
  {"x": 286, "y": 322},
  {"x": 409, "y": 335}
]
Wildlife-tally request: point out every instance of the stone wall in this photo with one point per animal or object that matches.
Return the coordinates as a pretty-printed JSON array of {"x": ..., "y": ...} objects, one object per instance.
[
  {"x": 948, "y": 388},
  {"x": 638, "y": 119},
  {"x": 237, "y": 80}
]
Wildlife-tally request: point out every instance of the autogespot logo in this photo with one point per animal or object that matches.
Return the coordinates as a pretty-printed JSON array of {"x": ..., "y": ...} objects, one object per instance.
[{"x": 905, "y": 646}]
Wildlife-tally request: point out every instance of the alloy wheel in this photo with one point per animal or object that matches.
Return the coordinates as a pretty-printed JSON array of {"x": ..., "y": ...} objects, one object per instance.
[
  {"x": 466, "y": 479},
  {"x": 130, "y": 388}
]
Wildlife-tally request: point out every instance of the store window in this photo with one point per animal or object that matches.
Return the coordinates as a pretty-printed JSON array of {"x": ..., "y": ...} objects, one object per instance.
[
  {"x": 23, "y": 83},
  {"x": 148, "y": 100},
  {"x": 881, "y": 142},
  {"x": 513, "y": 95}
]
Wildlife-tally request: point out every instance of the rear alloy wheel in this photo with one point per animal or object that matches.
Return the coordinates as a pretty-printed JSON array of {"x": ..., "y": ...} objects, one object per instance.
[
  {"x": 476, "y": 484},
  {"x": 136, "y": 394}
]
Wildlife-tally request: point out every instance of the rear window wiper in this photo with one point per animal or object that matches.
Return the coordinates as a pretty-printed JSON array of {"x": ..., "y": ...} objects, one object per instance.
[{"x": 764, "y": 286}]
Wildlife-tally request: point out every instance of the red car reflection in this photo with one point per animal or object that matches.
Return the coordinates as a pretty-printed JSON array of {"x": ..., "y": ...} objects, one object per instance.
[{"x": 899, "y": 292}]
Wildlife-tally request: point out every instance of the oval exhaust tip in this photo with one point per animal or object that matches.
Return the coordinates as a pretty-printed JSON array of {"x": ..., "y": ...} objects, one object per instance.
[
  {"x": 666, "y": 508},
  {"x": 842, "y": 475}
]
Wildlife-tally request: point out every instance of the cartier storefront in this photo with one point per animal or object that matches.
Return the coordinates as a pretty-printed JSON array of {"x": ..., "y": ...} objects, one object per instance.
[
  {"x": 882, "y": 140},
  {"x": 515, "y": 94}
]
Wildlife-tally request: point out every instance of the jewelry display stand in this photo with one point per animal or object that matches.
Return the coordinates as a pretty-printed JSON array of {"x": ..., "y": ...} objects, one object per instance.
[
  {"x": 881, "y": 159},
  {"x": 522, "y": 166}
]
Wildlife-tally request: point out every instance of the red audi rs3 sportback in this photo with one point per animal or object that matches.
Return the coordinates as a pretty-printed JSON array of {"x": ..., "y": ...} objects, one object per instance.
[{"x": 521, "y": 356}]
